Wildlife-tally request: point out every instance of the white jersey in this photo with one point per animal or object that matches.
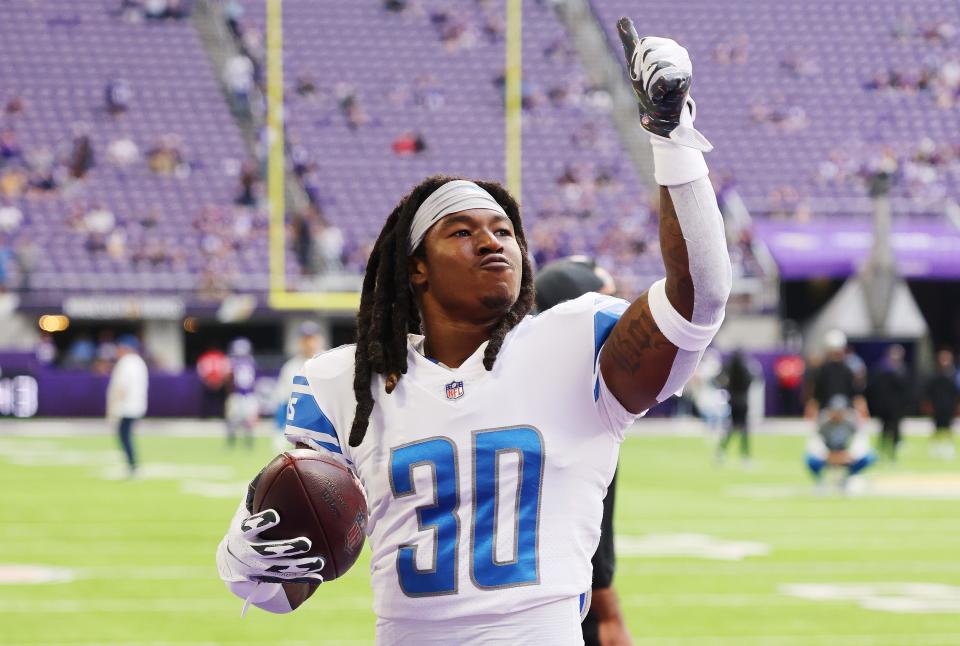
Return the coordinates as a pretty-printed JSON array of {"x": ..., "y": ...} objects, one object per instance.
[
  {"x": 127, "y": 390},
  {"x": 484, "y": 488}
]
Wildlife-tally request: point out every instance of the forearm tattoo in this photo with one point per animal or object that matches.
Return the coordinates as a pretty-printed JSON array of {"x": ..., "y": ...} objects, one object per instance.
[{"x": 673, "y": 247}]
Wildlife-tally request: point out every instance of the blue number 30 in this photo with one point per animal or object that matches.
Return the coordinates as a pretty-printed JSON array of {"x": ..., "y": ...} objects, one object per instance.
[{"x": 487, "y": 572}]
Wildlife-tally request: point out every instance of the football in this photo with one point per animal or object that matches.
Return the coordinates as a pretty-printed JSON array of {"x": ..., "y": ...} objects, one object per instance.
[{"x": 316, "y": 497}]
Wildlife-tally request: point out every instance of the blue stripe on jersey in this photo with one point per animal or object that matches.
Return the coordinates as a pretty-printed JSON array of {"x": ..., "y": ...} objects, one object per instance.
[
  {"x": 333, "y": 448},
  {"x": 300, "y": 380},
  {"x": 304, "y": 412},
  {"x": 583, "y": 599},
  {"x": 603, "y": 322}
]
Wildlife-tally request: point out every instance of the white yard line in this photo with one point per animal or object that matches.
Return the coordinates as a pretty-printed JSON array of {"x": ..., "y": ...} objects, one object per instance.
[{"x": 869, "y": 639}]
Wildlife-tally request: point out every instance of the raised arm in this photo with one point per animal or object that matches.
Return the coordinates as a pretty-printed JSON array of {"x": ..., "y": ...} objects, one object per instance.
[{"x": 657, "y": 343}]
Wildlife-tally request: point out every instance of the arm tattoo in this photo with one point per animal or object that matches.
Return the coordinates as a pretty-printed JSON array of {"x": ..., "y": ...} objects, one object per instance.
[
  {"x": 629, "y": 344},
  {"x": 637, "y": 358},
  {"x": 675, "y": 261}
]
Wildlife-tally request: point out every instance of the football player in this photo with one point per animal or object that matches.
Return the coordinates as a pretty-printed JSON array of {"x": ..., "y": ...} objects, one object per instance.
[
  {"x": 311, "y": 342},
  {"x": 486, "y": 438},
  {"x": 241, "y": 410}
]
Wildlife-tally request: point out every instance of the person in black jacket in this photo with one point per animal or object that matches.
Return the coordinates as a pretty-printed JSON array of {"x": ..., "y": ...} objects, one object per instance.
[
  {"x": 941, "y": 401},
  {"x": 557, "y": 282},
  {"x": 736, "y": 378},
  {"x": 833, "y": 376},
  {"x": 889, "y": 394}
]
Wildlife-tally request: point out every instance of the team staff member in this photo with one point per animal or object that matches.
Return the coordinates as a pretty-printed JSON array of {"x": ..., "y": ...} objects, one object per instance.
[
  {"x": 452, "y": 394},
  {"x": 127, "y": 395}
]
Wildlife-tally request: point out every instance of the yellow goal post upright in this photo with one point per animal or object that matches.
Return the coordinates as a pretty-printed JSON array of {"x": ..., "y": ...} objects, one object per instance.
[{"x": 279, "y": 297}]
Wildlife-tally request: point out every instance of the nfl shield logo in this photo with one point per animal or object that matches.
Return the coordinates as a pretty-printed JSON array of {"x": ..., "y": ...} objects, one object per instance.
[{"x": 455, "y": 390}]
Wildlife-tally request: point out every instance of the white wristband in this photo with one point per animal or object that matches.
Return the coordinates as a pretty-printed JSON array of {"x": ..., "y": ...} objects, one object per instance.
[
  {"x": 678, "y": 330},
  {"x": 675, "y": 164}
]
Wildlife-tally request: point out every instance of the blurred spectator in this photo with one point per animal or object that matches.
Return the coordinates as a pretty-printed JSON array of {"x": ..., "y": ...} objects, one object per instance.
[
  {"x": 81, "y": 352},
  {"x": 117, "y": 96},
  {"x": 305, "y": 85},
  {"x": 238, "y": 77},
  {"x": 454, "y": 30},
  {"x": 330, "y": 247},
  {"x": 941, "y": 401},
  {"x": 15, "y": 105},
  {"x": 302, "y": 233},
  {"x": 213, "y": 367},
  {"x": 800, "y": 63},
  {"x": 166, "y": 157},
  {"x": 789, "y": 370},
  {"x": 46, "y": 349},
  {"x": 26, "y": 255},
  {"x": 409, "y": 143},
  {"x": 100, "y": 220},
  {"x": 247, "y": 192},
  {"x": 233, "y": 14},
  {"x": 43, "y": 177},
  {"x": 123, "y": 151},
  {"x": 350, "y": 105},
  {"x": 889, "y": 396},
  {"x": 10, "y": 150},
  {"x": 6, "y": 256},
  {"x": 13, "y": 182},
  {"x": 10, "y": 219},
  {"x": 164, "y": 9},
  {"x": 116, "y": 245},
  {"x": 81, "y": 158},
  {"x": 732, "y": 51}
]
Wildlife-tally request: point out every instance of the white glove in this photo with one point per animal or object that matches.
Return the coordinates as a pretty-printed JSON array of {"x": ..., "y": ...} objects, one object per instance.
[{"x": 241, "y": 557}]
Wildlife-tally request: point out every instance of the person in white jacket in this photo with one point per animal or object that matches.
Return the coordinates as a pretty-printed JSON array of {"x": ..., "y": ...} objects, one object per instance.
[{"x": 127, "y": 394}]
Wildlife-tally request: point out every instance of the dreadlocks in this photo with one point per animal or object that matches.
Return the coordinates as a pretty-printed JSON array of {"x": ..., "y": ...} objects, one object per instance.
[{"x": 388, "y": 311}]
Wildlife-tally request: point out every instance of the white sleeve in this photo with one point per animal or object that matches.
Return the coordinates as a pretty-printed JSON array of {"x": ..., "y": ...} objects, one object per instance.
[{"x": 308, "y": 423}]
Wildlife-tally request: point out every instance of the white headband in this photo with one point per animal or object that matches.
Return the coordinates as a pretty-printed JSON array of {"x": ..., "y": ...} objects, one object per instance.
[{"x": 454, "y": 196}]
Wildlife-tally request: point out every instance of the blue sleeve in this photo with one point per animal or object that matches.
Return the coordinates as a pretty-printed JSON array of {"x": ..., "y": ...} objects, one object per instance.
[{"x": 306, "y": 421}]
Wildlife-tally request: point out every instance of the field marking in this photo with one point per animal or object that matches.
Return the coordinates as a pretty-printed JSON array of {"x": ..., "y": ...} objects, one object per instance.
[
  {"x": 171, "y": 471},
  {"x": 232, "y": 490},
  {"x": 909, "y": 597},
  {"x": 205, "y": 480},
  {"x": 761, "y": 567},
  {"x": 30, "y": 574},
  {"x": 701, "y": 546},
  {"x": 923, "y": 486}
]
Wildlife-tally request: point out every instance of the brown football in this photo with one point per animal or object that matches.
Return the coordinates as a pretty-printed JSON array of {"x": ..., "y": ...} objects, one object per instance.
[{"x": 316, "y": 497}]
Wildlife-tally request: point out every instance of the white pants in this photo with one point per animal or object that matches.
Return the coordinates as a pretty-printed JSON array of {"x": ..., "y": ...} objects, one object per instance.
[{"x": 552, "y": 624}]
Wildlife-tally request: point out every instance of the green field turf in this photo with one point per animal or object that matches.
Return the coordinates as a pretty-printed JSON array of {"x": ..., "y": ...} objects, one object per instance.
[{"x": 142, "y": 552}]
